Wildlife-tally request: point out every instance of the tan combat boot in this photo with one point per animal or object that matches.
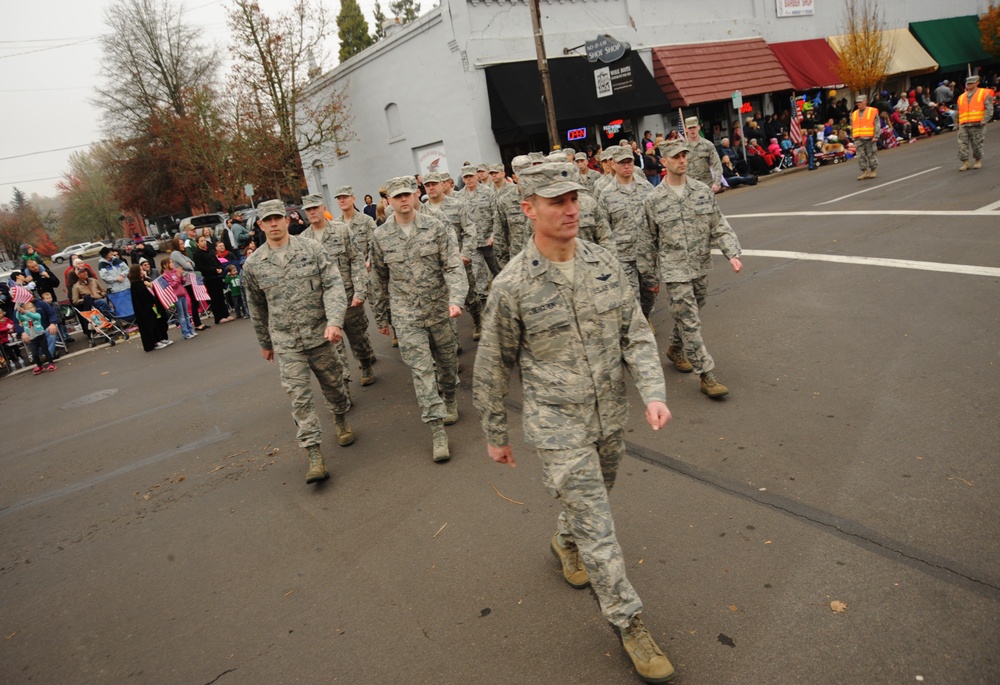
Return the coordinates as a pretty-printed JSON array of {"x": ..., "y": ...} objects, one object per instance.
[
  {"x": 345, "y": 436},
  {"x": 476, "y": 332},
  {"x": 712, "y": 387},
  {"x": 441, "y": 452},
  {"x": 680, "y": 361},
  {"x": 965, "y": 166},
  {"x": 317, "y": 469},
  {"x": 650, "y": 662},
  {"x": 978, "y": 164},
  {"x": 863, "y": 176},
  {"x": 572, "y": 566},
  {"x": 872, "y": 173},
  {"x": 367, "y": 374},
  {"x": 395, "y": 340},
  {"x": 451, "y": 411}
]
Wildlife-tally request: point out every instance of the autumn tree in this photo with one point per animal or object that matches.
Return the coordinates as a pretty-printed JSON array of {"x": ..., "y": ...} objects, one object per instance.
[
  {"x": 20, "y": 224},
  {"x": 90, "y": 210},
  {"x": 379, "y": 23},
  {"x": 352, "y": 30},
  {"x": 866, "y": 50},
  {"x": 989, "y": 27},
  {"x": 405, "y": 10},
  {"x": 272, "y": 67}
]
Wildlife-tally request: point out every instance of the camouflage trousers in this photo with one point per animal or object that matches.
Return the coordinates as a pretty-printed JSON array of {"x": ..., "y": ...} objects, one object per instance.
[
  {"x": 685, "y": 302},
  {"x": 867, "y": 154},
  {"x": 294, "y": 367},
  {"x": 423, "y": 348},
  {"x": 647, "y": 299},
  {"x": 632, "y": 273},
  {"x": 473, "y": 303},
  {"x": 580, "y": 479},
  {"x": 480, "y": 283},
  {"x": 971, "y": 138},
  {"x": 356, "y": 332}
]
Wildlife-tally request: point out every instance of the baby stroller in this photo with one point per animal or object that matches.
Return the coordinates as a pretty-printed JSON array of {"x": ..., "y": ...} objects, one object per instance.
[
  {"x": 99, "y": 325},
  {"x": 787, "y": 160},
  {"x": 121, "y": 304}
]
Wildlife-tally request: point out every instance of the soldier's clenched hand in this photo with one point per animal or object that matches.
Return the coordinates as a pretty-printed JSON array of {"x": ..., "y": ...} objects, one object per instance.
[
  {"x": 333, "y": 334},
  {"x": 657, "y": 415},
  {"x": 454, "y": 311},
  {"x": 504, "y": 455}
]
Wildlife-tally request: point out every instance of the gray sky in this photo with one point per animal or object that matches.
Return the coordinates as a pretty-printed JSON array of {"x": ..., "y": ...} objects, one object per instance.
[{"x": 50, "y": 60}]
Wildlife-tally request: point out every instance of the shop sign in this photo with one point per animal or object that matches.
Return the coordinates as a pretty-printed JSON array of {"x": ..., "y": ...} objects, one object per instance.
[
  {"x": 794, "y": 8},
  {"x": 613, "y": 128},
  {"x": 613, "y": 79},
  {"x": 606, "y": 49},
  {"x": 431, "y": 158},
  {"x": 576, "y": 134}
]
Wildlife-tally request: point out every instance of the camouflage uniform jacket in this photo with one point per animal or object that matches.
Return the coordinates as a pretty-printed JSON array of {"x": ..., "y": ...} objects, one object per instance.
[
  {"x": 454, "y": 213},
  {"x": 482, "y": 206},
  {"x": 515, "y": 229},
  {"x": 417, "y": 277},
  {"x": 623, "y": 206},
  {"x": 572, "y": 342},
  {"x": 292, "y": 305},
  {"x": 680, "y": 231},
  {"x": 362, "y": 226},
  {"x": 703, "y": 163},
  {"x": 594, "y": 226},
  {"x": 341, "y": 244},
  {"x": 589, "y": 179}
]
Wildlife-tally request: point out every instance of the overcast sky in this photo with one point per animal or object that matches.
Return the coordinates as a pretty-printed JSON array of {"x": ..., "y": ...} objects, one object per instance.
[{"x": 50, "y": 60}]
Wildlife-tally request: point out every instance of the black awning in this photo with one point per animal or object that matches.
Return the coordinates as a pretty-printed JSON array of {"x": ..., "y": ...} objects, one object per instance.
[{"x": 515, "y": 92}]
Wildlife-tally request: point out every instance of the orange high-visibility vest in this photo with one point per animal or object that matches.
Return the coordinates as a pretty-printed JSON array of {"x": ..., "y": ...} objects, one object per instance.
[
  {"x": 972, "y": 112},
  {"x": 863, "y": 123}
]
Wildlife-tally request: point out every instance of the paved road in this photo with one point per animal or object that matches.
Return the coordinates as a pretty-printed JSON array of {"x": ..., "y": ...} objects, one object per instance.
[{"x": 164, "y": 534}]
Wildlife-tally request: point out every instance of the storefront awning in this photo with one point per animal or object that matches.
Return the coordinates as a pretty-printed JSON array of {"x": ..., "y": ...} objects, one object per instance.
[
  {"x": 705, "y": 72},
  {"x": 954, "y": 42},
  {"x": 908, "y": 57},
  {"x": 515, "y": 91},
  {"x": 809, "y": 64}
]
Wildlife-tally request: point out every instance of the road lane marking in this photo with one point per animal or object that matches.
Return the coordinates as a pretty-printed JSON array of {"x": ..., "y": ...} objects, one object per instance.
[
  {"x": 989, "y": 208},
  {"x": 876, "y": 261},
  {"x": 872, "y": 212},
  {"x": 882, "y": 185}
]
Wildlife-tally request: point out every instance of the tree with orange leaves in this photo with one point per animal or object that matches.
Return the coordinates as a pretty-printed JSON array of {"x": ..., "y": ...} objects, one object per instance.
[
  {"x": 866, "y": 50},
  {"x": 989, "y": 27}
]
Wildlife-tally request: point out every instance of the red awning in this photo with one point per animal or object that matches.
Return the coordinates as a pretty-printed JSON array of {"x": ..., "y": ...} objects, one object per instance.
[
  {"x": 705, "y": 72},
  {"x": 809, "y": 63}
]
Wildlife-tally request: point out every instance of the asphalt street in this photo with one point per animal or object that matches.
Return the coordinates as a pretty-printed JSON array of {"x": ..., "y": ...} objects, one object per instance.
[{"x": 156, "y": 526}]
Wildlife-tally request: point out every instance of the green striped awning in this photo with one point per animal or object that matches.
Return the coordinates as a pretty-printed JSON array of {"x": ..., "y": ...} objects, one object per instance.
[{"x": 953, "y": 42}]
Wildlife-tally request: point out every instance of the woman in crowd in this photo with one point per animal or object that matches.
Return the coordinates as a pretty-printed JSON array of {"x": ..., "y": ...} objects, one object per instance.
[
  {"x": 149, "y": 315},
  {"x": 186, "y": 270},
  {"x": 760, "y": 162},
  {"x": 212, "y": 272},
  {"x": 370, "y": 207},
  {"x": 69, "y": 276},
  {"x": 296, "y": 224}
]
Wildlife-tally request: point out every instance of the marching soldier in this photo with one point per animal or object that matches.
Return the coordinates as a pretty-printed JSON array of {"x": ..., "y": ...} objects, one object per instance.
[{"x": 975, "y": 109}]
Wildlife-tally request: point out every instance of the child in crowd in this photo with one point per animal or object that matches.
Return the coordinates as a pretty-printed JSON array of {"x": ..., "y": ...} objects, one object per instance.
[
  {"x": 31, "y": 321},
  {"x": 175, "y": 279},
  {"x": 10, "y": 345},
  {"x": 63, "y": 331},
  {"x": 235, "y": 291}
]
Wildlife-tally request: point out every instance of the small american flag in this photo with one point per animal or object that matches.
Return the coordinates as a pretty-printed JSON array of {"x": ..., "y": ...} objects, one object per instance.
[
  {"x": 20, "y": 294},
  {"x": 795, "y": 132},
  {"x": 164, "y": 291},
  {"x": 198, "y": 286}
]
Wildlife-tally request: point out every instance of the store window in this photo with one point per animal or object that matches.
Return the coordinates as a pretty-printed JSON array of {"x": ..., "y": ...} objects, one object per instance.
[{"x": 393, "y": 122}]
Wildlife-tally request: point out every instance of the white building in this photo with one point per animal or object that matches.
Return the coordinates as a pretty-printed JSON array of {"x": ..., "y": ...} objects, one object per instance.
[{"x": 460, "y": 84}]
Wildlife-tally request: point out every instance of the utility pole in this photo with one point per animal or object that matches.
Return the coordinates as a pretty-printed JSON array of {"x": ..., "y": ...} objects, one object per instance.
[{"x": 543, "y": 72}]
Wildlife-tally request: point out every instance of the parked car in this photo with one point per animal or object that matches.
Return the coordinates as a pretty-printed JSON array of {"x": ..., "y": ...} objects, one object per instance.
[
  {"x": 6, "y": 269},
  {"x": 216, "y": 222},
  {"x": 82, "y": 249}
]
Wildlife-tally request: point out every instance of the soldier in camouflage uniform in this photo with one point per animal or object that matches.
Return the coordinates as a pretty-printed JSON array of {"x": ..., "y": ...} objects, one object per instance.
[
  {"x": 341, "y": 244},
  {"x": 362, "y": 226},
  {"x": 703, "y": 161},
  {"x": 514, "y": 229},
  {"x": 609, "y": 172},
  {"x": 683, "y": 221},
  {"x": 587, "y": 175},
  {"x": 416, "y": 268},
  {"x": 621, "y": 200},
  {"x": 864, "y": 142},
  {"x": 564, "y": 312},
  {"x": 297, "y": 303},
  {"x": 482, "y": 203},
  {"x": 972, "y": 123},
  {"x": 594, "y": 225},
  {"x": 499, "y": 180},
  {"x": 454, "y": 213}
]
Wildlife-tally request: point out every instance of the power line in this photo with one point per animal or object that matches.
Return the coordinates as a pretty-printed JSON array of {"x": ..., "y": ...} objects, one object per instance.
[
  {"x": 53, "y": 47},
  {"x": 42, "y": 90},
  {"x": 30, "y": 180},
  {"x": 42, "y": 152}
]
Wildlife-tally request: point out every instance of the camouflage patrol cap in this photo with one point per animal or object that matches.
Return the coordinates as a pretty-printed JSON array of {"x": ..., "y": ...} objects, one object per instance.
[
  {"x": 606, "y": 153},
  {"x": 468, "y": 170},
  {"x": 536, "y": 157},
  {"x": 496, "y": 168},
  {"x": 401, "y": 185},
  {"x": 972, "y": 80},
  {"x": 690, "y": 121},
  {"x": 445, "y": 176},
  {"x": 520, "y": 163},
  {"x": 270, "y": 208},
  {"x": 550, "y": 179},
  {"x": 311, "y": 201},
  {"x": 344, "y": 191},
  {"x": 672, "y": 148},
  {"x": 580, "y": 157},
  {"x": 569, "y": 151},
  {"x": 433, "y": 177},
  {"x": 556, "y": 156},
  {"x": 482, "y": 166},
  {"x": 861, "y": 98},
  {"x": 620, "y": 153}
]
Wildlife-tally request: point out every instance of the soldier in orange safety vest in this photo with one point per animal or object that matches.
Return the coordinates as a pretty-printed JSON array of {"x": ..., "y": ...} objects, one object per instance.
[
  {"x": 975, "y": 109},
  {"x": 864, "y": 125}
]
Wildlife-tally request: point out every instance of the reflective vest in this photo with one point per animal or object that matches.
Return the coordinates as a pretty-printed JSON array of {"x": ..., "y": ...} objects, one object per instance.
[
  {"x": 863, "y": 123},
  {"x": 972, "y": 112}
]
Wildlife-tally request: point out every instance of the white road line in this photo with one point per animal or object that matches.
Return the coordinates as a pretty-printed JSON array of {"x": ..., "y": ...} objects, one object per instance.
[
  {"x": 883, "y": 185},
  {"x": 872, "y": 212},
  {"x": 989, "y": 208},
  {"x": 876, "y": 261}
]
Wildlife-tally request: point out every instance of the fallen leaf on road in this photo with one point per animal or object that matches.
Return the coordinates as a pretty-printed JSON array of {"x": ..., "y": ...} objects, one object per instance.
[
  {"x": 7, "y": 637},
  {"x": 838, "y": 606},
  {"x": 288, "y": 593},
  {"x": 732, "y": 607}
]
